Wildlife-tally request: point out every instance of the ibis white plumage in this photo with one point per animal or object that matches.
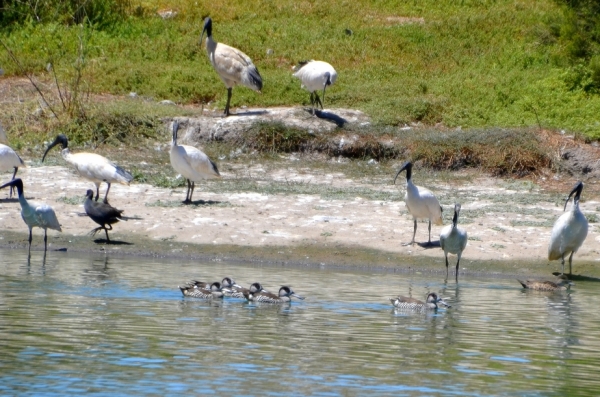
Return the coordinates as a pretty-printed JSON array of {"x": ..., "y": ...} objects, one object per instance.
[
  {"x": 421, "y": 202},
  {"x": 34, "y": 214},
  {"x": 9, "y": 159},
  {"x": 92, "y": 166},
  {"x": 569, "y": 230},
  {"x": 232, "y": 65},
  {"x": 191, "y": 163},
  {"x": 315, "y": 76},
  {"x": 453, "y": 239}
]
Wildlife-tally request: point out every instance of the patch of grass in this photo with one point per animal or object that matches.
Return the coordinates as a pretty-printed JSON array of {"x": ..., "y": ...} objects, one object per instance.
[
  {"x": 468, "y": 64},
  {"x": 498, "y": 246},
  {"x": 74, "y": 200},
  {"x": 592, "y": 218},
  {"x": 326, "y": 234},
  {"x": 499, "y": 229}
]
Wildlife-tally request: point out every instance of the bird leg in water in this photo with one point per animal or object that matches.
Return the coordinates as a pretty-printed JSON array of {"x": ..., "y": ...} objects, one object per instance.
[
  {"x": 457, "y": 262},
  {"x": 414, "y": 234},
  {"x": 45, "y": 240},
  {"x": 228, "y": 100},
  {"x": 30, "y": 238},
  {"x": 570, "y": 262}
]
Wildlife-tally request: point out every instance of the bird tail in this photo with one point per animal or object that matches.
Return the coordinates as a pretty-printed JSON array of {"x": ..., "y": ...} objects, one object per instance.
[
  {"x": 522, "y": 283},
  {"x": 124, "y": 174},
  {"x": 253, "y": 79},
  {"x": 130, "y": 218}
]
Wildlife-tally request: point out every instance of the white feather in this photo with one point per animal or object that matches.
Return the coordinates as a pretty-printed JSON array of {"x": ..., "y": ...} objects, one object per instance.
[
  {"x": 313, "y": 75},
  {"x": 568, "y": 234}
]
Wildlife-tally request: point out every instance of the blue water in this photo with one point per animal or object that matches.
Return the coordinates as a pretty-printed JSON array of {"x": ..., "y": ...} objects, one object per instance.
[{"x": 98, "y": 325}]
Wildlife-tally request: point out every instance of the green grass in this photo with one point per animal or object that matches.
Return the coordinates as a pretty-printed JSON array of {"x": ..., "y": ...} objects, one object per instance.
[{"x": 474, "y": 64}]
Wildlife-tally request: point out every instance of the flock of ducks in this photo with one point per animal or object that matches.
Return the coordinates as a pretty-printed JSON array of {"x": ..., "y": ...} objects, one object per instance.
[
  {"x": 228, "y": 287},
  {"x": 236, "y": 68}
]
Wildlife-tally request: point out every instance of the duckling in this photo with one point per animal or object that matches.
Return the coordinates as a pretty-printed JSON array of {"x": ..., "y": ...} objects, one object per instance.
[
  {"x": 238, "y": 291},
  {"x": 403, "y": 302},
  {"x": 284, "y": 296},
  {"x": 562, "y": 284}
]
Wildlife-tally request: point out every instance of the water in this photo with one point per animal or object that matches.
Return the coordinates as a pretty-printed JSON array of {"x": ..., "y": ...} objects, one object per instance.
[{"x": 119, "y": 326}]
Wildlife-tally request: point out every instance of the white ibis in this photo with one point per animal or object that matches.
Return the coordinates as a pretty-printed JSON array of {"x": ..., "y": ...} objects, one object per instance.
[
  {"x": 453, "y": 239},
  {"x": 92, "y": 166},
  {"x": 232, "y": 65},
  {"x": 102, "y": 213},
  {"x": 284, "y": 296},
  {"x": 34, "y": 214},
  {"x": 569, "y": 230},
  {"x": 9, "y": 159},
  {"x": 315, "y": 76},
  {"x": 421, "y": 203},
  {"x": 191, "y": 163}
]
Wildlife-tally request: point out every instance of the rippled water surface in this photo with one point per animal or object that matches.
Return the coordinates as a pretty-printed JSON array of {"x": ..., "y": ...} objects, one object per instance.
[{"x": 119, "y": 326}]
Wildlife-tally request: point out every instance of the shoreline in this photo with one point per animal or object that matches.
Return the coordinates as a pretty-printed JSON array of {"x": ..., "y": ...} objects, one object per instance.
[{"x": 294, "y": 215}]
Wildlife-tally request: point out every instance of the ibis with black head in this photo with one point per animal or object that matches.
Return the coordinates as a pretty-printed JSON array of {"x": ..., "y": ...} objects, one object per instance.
[
  {"x": 421, "y": 202},
  {"x": 35, "y": 214},
  {"x": 232, "y": 65}
]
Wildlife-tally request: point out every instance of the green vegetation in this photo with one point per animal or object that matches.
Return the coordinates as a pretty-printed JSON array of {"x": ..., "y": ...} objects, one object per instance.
[{"x": 470, "y": 63}]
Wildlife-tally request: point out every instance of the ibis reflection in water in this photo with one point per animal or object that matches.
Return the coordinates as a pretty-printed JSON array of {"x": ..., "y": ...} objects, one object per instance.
[
  {"x": 35, "y": 214},
  {"x": 191, "y": 163},
  {"x": 315, "y": 76},
  {"x": 92, "y": 166},
  {"x": 569, "y": 230},
  {"x": 9, "y": 159},
  {"x": 453, "y": 239},
  {"x": 421, "y": 202},
  {"x": 232, "y": 65}
]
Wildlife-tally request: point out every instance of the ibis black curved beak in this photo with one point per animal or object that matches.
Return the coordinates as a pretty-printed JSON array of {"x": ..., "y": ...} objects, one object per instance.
[
  {"x": 577, "y": 191},
  {"x": 207, "y": 28},
  {"x": 456, "y": 213},
  {"x": 175, "y": 129},
  {"x": 59, "y": 139},
  {"x": 408, "y": 167},
  {"x": 18, "y": 183}
]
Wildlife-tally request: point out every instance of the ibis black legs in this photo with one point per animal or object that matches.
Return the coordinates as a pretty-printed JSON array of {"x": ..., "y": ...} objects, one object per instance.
[
  {"x": 11, "y": 188},
  {"x": 315, "y": 101},
  {"x": 228, "y": 101},
  {"x": 30, "y": 238},
  {"x": 570, "y": 263},
  {"x": 190, "y": 191},
  {"x": 106, "y": 195}
]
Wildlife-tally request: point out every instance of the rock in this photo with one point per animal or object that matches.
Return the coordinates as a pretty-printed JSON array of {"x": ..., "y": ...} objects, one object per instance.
[{"x": 213, "y": 127}]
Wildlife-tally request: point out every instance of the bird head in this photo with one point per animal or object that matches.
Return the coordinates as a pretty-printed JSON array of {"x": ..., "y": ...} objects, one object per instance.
[
  {"x": 408, "y": 167},
  {"x": 18, "y": 183},
  {"x": 577, "y": 191},
  {"x": 456, "y": 213},
  {"x": 62, "y": 139},
  {"x": 89, "y": 194},
  {"x": 207, "y": 28},
  {"x": 175, "y": 129}
]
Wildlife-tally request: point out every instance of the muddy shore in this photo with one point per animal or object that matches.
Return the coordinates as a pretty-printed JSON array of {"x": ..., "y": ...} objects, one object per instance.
[{"x": 508, "y": 222}]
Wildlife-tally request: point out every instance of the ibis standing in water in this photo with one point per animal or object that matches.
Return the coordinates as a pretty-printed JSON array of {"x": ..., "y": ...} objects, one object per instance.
[
  {"x": 92, "y": 166},
  {"x": 191, "y": 163},
  {"x": 102, "y": 213},
  {"x": 315, "y": 76},
  {"x": 40, "y": 215},
  {"x": 421, "y": 203},
  {"x": 9, "y": 159},
  {"x": 453, "y": 239},
  {"x": 233, "y": 66},
  {"x": 569, "y": 230}
]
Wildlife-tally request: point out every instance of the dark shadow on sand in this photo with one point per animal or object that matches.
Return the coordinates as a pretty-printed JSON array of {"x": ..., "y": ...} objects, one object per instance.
[
  {"x": 334, "y": 118},
  {"x": 111, "y": 242},
  {"x": 434, "y": 244}
]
